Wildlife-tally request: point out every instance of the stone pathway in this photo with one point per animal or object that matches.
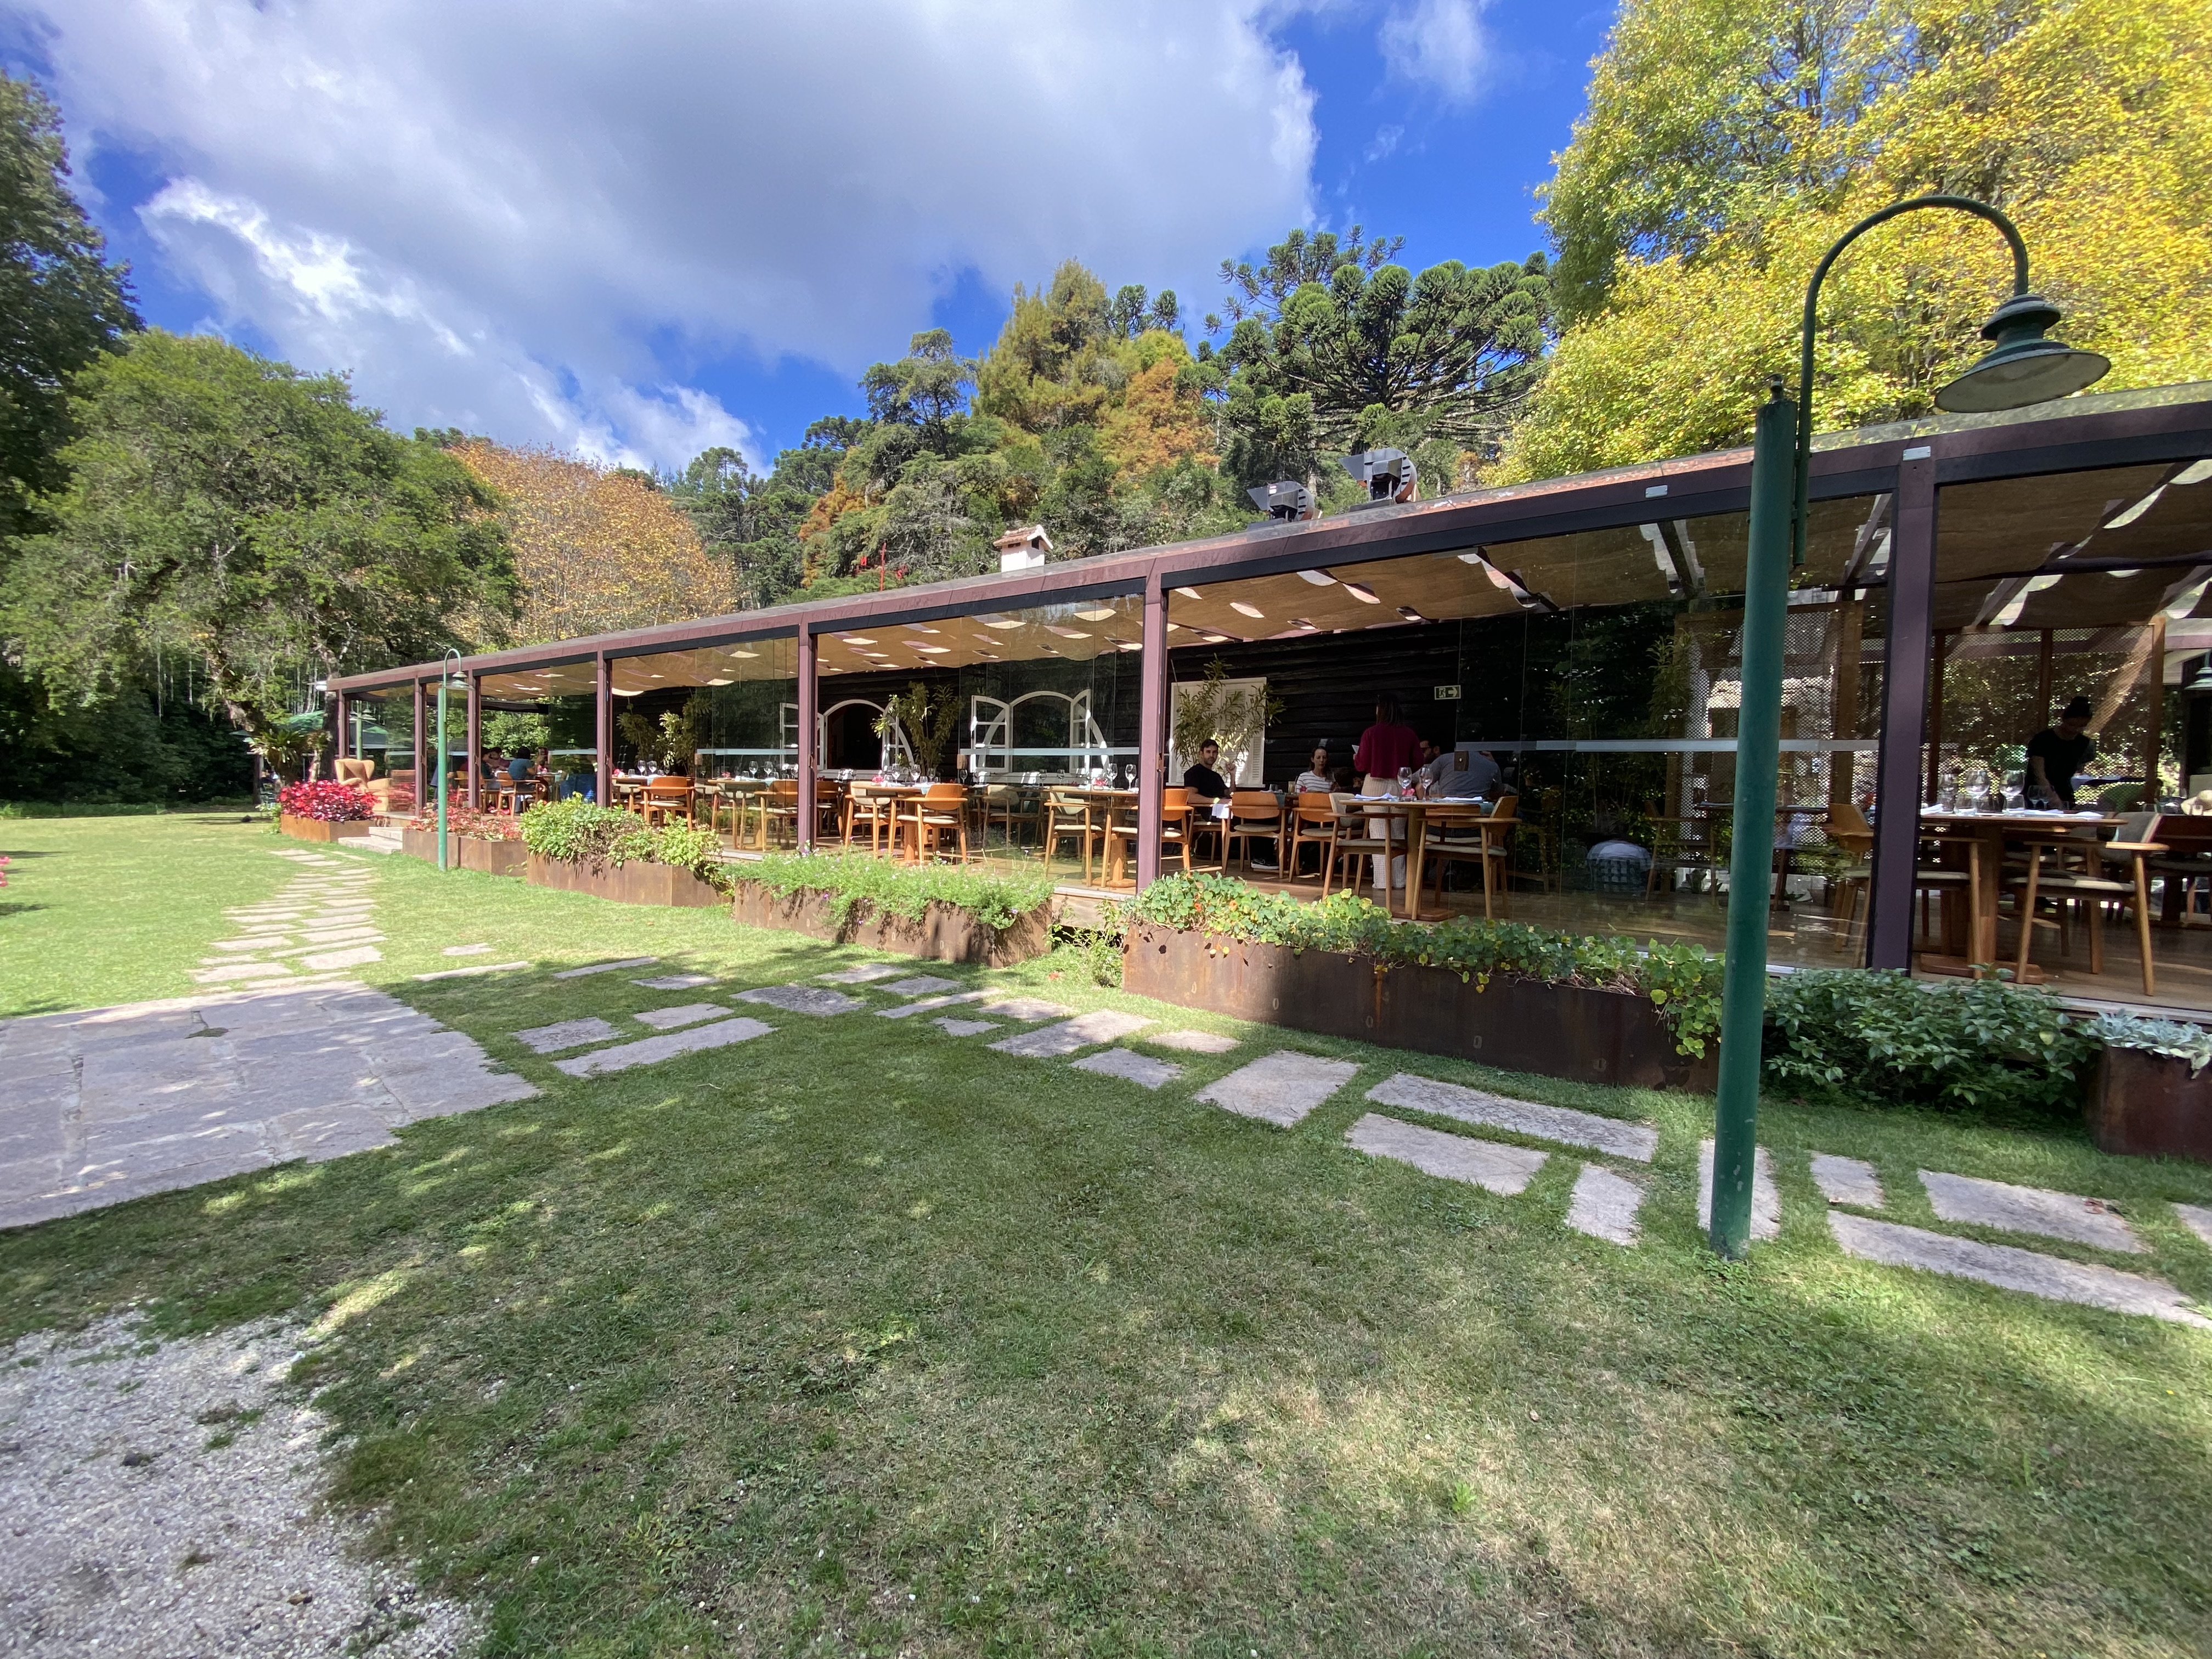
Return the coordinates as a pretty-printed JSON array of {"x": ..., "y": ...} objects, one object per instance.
[
  {"x": 1190, "y": 1043},
  {"x": 2011, "y": 1268},
  {"x": 101, "y": 1105},
  {"x": 804, "y": 1000},
  {"x": 1999, "y": 1204},
  {"x": 1604, "y": 1205},
  {"x": 1489, "y": 1164},
  {"x": 591, "y": 967},
  {"x": 686, "y": 1013},
  {"x": 1847, "y": 1181},
  {"x": 675, "y": 982},
  {"x": 1069, "y": 1036},
  {"x": 1765, "y": 1200},
  {"x": 1142, "y": 1070},
  {"x": 319, "y": 921},
  {"x": 652, "y": 1050},
  {"x": 1279, "y": 1088},
  {"x": 1561, "y": 1124}
]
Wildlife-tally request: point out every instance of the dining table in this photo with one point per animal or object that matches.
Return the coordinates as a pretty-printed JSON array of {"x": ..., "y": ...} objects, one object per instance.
[{"x": 1975, "y": 843}]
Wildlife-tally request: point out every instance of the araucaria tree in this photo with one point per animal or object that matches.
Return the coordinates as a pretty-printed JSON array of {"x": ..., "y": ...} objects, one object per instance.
[{"x": 253, "y": 516}]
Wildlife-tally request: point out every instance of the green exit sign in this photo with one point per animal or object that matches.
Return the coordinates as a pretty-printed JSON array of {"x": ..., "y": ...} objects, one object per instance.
[{"x": 1447, "y": 694}]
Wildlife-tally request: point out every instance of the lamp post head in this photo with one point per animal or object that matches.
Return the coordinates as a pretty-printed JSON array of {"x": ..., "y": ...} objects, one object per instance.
[{"x": 2023, "y": 368}]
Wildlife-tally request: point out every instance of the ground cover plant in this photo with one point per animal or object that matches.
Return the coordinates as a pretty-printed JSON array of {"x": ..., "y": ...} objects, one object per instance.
[
  {"x": 1683, "y": 979},
  {"x": 326, "y": 802},
  {"x": 859, "y": 1338},
  {"x": 858, "y": 884},
  {"x": 596, "y": 836}
]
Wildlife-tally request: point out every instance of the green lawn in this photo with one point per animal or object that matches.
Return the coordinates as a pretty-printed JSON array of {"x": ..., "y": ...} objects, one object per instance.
[{"x": 859, "y": 1338}]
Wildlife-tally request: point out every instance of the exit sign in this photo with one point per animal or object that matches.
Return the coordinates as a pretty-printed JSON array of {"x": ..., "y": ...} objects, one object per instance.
[{"x": 1447, "y": 694}]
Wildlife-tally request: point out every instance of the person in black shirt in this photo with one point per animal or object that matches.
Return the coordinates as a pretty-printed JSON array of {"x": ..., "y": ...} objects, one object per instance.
[
  {"x": 2056, "y": 753},
  {"x": 1202, "y": 780}
]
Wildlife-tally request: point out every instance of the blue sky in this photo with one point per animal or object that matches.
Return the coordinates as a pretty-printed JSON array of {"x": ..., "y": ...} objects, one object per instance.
[{"x": 634, "y": 241}]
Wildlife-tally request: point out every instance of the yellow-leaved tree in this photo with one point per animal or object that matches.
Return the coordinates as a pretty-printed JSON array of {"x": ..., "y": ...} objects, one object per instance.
[
  {"x": 1727, "y": 143},
  {"x": 596, "y": 547}
]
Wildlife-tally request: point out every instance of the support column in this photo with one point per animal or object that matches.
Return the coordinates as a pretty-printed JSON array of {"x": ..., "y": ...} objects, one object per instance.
[
  {"x": 1151, "y": 732},
  {"x": 603, "y": 733},
  {"x": 809, "y": 809},
  {"x": 2154, "y": 744},
  {"x": 347, "y": 748},
  {"x": 1907, "y": 661},
  {"x": 421, "y": 767},
  {"x": 476, "y": 740}
]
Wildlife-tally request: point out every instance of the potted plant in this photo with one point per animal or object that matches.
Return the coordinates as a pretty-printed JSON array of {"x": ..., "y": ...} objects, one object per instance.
[{"x": 2150, "y": 1096}]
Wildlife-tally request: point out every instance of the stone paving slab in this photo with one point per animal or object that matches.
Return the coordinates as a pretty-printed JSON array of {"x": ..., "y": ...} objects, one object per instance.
[
  {"x": 928, "y": 1005},
  {"x": 1140, "y": 1069},
  {"x": 652, "y": 1050},
  {"x": 1488, "y": 1164},
  {"x": 473, "y": 971},
  {"x": 230, "y": 972},
  {"x": 337, "y": 935},
  {"x": 567, "y": 1034},
  {"x": 1025, "y": 1008},
  {"x": 1190, "y": 1043},
  {"x": 2028, "y": 1210},
  {"x": 1084, "y": 1031},
  {"x": 1604, "y": 1205},
  {"x": 865, "y": 973},
  {"x": 354, "y": 956},
  {"x": 803, "y": 999},
  {"x": 675, "y": 982},
  {"x": 1847, "y": 1181},
  {"x": 606, "y": 967},
  {"x": 251, "y": 942},
  {"x": 302, "y": 1069},
  {"x": 2011, "y": 1268},
  {"x": 1278, "y": 1088},
  {"x": 686, "y": 1013},
  {"x": 1522, "y": 1117},
  {"x": 2197, "y": 1219},
  {"x": 964, "y": 1028},
  {"x": 466, "y": 950},
  {"x": 1765, "y": 1200},
  {"x": 923, "y": 985}
]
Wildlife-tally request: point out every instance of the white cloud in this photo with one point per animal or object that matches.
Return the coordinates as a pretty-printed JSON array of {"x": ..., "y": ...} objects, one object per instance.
[
  {"x": 538, "y": 221},
  {"x": 1440, "y": 44}
]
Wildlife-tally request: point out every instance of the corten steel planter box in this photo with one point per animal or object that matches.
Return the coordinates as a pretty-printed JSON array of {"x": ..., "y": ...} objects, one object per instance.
[
  {"x": 945, "y": 933},
  {"x": 2147, "y": 1106},
  {"x": 625, "y": 884},
  {"x": 316, "y": 829},
  {"x": 490, "y": 858},
  {"x": 1556, "y": 1031}
]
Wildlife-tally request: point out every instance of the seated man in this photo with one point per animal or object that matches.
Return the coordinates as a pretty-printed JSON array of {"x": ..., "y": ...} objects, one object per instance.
[
  {"x": 1204, "y": 780},
  {"x": 521, "y": 769},
  {"x": 1465, "y": 773}
]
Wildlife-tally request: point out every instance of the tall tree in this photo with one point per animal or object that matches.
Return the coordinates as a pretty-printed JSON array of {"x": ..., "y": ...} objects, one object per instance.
[
  {"x": 596, "y": 548},
  {"x": 235, "y": 508},
  {"x": 61, "y": 303},
  {"x": 1729, "y": 142},
  {"x": 1368, "y": 349}
]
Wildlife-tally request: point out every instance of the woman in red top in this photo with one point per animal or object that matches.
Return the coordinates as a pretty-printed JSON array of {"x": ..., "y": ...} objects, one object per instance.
[{"x": 1385, "y": 748}]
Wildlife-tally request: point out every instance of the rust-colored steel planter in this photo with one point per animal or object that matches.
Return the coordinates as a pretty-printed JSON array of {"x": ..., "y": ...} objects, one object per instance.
[
  {"x": 945, "y": 933},
  {"x": 316, "y": 829},
  {"x": 1556, "y": 1031},
  {"x": 423, "y": 844},
  {"x": 625, "y": 884},
  {"x": 492, "y": 858},
  {"x": 2148, "y": 1106}
]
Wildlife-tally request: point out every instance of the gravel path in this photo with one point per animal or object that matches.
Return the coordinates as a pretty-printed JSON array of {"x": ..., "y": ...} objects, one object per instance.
[{"x": 163, "y": 1499}]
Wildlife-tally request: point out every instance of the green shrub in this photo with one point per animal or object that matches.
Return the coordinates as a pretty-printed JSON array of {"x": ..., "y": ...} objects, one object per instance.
[
  {"x": 1684, "y": 980},
  {"x": 854, "y": 879},
  {"x": 1885, "y": 1039},
  {"x": 595, "y": 836}
]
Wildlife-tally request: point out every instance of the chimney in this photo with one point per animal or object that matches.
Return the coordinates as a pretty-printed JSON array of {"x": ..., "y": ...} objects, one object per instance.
[{"x": 1023, "y": 549}]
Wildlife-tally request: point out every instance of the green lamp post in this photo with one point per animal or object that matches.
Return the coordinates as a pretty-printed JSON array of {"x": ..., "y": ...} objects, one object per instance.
[
  {"x": 446, "y": 676},
  {"x": 2022, "y": 368}
]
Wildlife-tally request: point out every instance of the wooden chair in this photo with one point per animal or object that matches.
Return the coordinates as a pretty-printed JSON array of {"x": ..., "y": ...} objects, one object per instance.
[
  {"x": 1848, "y": 892},
  {"x": 1255, "y": 815},
  {"x": 779, "y": 806},
  {"x": 1490, "y": 847},
  {"x": 665, "y": 797},
  {"x": 1317, "y": 821},
  {"x": 941, "y": 813},
  {"x": 1071, "y": 815},
  {"x": 1010, "y": 804},
  {"x": 2187, "y": 859},
  {"x": 2052, "y": 874},
  {"x": 829, "y": 809},
  {"x": 877, "y": 812}
]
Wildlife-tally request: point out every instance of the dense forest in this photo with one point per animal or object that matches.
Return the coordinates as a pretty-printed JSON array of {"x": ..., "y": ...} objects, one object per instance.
[{"x": 191, "y": 536}]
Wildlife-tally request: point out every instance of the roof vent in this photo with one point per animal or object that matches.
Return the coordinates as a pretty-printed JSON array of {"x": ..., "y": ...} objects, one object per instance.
[
  {"x": 1388, "y": 473},
  {"x": 1288, "y": 499},
  {"x": 1023, "y": 549}
]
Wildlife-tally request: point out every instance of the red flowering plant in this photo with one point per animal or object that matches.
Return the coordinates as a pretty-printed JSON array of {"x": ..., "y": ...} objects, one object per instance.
[
  {"x": 326, "y": 802},
  {"x": 465, "y": 821}
]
